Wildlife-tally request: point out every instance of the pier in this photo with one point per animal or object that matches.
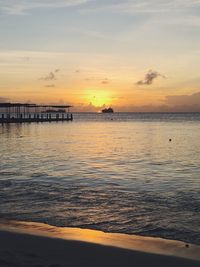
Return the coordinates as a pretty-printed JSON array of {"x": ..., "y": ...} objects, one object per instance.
[{"x": 24, "y": 112}]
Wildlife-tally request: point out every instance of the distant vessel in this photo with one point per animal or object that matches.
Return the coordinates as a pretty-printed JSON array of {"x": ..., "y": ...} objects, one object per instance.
[{"x": 107, "y": 110}]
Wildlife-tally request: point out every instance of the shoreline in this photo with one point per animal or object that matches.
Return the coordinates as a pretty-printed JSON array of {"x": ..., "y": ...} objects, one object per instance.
[{"x": 46, "y": 242}]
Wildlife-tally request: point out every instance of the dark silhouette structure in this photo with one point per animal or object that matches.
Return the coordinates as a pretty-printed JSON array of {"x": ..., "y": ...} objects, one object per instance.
[
  {"x": 107, "y": 110},
  {"x": 24, "y": 112}
]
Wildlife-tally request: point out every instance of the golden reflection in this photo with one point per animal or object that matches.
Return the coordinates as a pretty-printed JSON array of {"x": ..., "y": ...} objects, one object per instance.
[{"x": 132, "y": 242}]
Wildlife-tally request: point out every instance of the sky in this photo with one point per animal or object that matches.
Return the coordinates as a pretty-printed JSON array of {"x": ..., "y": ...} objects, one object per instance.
[{"x": 133, "y": 55}]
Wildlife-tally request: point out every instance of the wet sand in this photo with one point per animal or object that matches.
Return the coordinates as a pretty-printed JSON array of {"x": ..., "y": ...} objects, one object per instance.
[{"x": 24, "y": 244}]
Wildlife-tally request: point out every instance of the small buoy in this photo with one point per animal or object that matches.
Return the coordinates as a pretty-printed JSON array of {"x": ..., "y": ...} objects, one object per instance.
[{"x": 170, "y": 140}]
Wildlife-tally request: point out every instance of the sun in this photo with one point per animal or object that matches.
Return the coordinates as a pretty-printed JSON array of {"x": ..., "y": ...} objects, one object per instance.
[{"x": 98, "y": 98}]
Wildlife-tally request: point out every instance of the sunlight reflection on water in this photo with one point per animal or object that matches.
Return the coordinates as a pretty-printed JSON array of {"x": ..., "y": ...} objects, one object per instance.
[{"x": 121, "y": 175}]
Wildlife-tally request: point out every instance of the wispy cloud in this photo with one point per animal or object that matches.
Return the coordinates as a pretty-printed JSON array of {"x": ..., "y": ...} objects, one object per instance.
[
  {"x": 150, "y": 77},
  {"x": 22, "y": 6},
  {"x": 143, "y": 6},
  {"x": 154, "y": 6},
  {"x": 50, "y": 85},
  {"x": 105, "y": 81},
  {"x": 98, "y": 79}
]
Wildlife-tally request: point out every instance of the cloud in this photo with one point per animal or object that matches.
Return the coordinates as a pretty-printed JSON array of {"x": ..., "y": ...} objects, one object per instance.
[
  {"x": 81, "y": 107},
  {"x": 18, "y": 7},
  {"x": 98, "y": 79},
  {"x": 175, "y": 103},
  {"x": 3, "y": 100},
  {"x": 150, "y": 77},
  {"x": 184, "y": 100},
  {"x": 146, "y": 6},
  {"x": 105, "y": 81},
  {"x": 51, "y": 76},
  {"x": 50, "y": 85}
]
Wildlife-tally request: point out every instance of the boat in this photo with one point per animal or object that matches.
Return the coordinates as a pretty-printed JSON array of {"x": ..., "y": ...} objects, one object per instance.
[{"x": 107, "y": 110}]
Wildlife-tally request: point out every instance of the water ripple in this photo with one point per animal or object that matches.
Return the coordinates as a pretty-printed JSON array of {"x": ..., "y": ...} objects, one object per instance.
[{"x": 119, "y": 176}]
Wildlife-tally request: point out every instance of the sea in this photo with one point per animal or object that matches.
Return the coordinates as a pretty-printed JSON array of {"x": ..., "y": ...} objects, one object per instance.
[{"x": 134, "y": 173}]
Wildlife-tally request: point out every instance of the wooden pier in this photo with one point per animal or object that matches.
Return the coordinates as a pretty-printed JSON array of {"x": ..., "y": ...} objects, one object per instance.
[{"x": 21, "y": 113}]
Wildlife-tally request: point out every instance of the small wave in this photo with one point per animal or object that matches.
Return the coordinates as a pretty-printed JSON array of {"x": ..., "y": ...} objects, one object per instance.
[
  {"x": 5, "y": 183},
  {"x": 10, "y": 173},
  {"x": 39, "y": 174}
]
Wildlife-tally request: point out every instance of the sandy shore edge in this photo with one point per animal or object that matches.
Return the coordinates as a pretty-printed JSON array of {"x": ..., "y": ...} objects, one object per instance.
[{"x": 37, "y": 244}]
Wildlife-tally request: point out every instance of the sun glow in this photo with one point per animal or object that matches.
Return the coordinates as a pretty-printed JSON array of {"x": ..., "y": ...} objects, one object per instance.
[{"x": 98, "y": 98}]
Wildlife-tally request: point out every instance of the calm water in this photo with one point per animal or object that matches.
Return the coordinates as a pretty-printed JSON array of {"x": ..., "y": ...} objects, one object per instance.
[{"x": 113, "y": 172}]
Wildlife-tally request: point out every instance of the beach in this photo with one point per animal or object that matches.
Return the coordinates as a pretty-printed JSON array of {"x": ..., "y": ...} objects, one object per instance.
[{"x": 24, "y": 244}]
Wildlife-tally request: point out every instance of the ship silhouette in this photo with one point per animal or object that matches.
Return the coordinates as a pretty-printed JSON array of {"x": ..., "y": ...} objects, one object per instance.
[{"x": 107, "y": 110}]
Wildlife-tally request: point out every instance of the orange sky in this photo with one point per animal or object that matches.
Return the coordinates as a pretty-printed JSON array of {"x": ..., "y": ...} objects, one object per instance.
[{"x": 90, "y": 55}]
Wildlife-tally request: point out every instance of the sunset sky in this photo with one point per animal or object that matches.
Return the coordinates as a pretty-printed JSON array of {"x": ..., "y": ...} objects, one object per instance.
[{"x": 133, "y": 55}]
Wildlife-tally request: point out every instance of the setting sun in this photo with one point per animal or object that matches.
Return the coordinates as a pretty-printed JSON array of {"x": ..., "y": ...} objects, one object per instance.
[{"x": 98, "y": 98}]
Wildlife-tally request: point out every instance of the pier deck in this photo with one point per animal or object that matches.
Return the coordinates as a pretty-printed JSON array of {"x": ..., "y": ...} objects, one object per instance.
[{"x": 27, "y": 113}]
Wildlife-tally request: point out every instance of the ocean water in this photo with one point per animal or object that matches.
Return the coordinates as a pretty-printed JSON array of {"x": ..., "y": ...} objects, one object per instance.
[{"x": 112, "y": 172}]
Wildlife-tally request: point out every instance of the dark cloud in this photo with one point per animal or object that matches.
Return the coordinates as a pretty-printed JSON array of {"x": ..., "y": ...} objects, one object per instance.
[
  {"x": 51, "y": 76},
  {"x": 150, "y": 77},
  {"x": 176, "y": 103}
]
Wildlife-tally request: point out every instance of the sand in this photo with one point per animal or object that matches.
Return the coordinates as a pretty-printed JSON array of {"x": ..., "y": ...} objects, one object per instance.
[{"x": 24, "y": 244}]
